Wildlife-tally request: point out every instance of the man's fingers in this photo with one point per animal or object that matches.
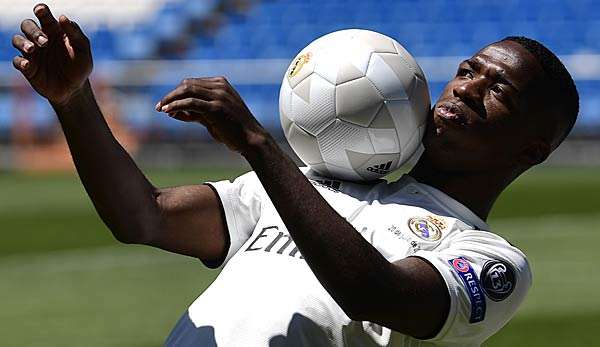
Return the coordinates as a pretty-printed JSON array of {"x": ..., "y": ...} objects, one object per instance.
[
  {"x": 49, "y": 23},
  {"x": 22, "y": 44},
  {"x": 23, "y": 65},
  {"x": 188, "y": 105},
  {"x": 33, "y": 32},
  {"x": 184, "y": 90},
  {"x": 185, "y": 116},
  {"x": 76, "y": 36}
]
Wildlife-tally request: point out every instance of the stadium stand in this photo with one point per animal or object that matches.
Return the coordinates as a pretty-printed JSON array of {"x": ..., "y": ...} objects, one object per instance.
[{"x": 241, "y": 30}]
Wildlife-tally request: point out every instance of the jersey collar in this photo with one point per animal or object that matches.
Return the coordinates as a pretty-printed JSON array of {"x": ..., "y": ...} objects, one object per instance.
[{"x": 447, "y": 203}]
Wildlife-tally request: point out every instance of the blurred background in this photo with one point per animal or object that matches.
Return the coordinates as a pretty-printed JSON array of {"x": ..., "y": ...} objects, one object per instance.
[{"x": 64, "y": 280}]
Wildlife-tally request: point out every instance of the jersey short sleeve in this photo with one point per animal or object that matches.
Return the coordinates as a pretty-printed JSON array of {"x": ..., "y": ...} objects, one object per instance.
[
  {"x": 487, "y": 280},
  {"x": 241, "y": 202}
]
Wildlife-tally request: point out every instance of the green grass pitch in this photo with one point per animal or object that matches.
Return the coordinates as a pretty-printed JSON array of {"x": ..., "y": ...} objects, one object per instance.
[{"x": 66, "y": 282}]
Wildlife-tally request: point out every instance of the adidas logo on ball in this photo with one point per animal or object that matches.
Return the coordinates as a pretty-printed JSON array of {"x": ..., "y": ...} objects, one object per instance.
[{"x": 381, "y": 168}]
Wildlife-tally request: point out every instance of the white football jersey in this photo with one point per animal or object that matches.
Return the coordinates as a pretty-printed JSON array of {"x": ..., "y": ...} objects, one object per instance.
[{"x": 266, "y": 295}]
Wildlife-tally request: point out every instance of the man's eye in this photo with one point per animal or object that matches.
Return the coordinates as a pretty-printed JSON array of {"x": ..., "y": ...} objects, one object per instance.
[{"x": 462, "y": 72}]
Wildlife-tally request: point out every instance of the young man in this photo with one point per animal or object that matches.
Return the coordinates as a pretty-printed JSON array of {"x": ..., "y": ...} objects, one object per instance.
[{"x": 312, "y": 261}]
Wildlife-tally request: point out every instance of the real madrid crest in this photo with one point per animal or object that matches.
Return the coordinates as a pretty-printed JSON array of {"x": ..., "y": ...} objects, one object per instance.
[
  {"x": 427, "y": 228},
  {"x": 299, "y": 63}
]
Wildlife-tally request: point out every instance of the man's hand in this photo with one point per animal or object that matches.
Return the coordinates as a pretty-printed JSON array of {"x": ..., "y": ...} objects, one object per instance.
[
  {"x": 56, "y": 59},
  {"x": 215, "y": 104}
]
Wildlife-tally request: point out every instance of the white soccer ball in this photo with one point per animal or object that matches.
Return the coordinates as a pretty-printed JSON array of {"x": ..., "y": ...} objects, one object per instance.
[{"x": 353, "y": 105}]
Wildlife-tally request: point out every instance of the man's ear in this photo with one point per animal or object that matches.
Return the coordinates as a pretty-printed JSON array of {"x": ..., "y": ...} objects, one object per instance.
[{"x": 534, "y": 153}]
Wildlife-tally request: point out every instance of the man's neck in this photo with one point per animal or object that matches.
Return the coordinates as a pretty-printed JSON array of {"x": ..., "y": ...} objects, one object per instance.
[{"x": 476, "y": 190}]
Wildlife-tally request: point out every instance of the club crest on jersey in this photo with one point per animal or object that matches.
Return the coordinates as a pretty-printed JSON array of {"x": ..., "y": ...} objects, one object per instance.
[
  {"x": 498, "y": 280},
  {"x": 427, "y": 228},
  {"x": 473, "y": 287}
]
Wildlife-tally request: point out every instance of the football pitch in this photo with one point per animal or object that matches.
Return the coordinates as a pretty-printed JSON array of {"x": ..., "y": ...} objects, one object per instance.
[{"x": 65, "y": 282}]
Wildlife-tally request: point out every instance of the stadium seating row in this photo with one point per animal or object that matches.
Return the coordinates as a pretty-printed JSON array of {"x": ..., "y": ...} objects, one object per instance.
[{"x": 278, "y": 29}]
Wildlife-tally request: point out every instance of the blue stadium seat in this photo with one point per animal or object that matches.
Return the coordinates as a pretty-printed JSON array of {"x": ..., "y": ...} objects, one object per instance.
[
  {"x": 6, "y": 119},
  {"x": 135, "y": 44},
  {"x": 103, "y": 44},
  {"x": 7, "y": 52}
]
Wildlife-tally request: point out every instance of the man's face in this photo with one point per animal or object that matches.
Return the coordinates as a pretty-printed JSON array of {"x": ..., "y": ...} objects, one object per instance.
[{"x": 487, "y": 115}]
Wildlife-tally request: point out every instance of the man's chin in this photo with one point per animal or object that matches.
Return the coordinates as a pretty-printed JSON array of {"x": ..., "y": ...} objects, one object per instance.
[
  {"x": 439, "y": 133},
  {"x": 440, "y": 138},
  {"x": 436, "y": 128}
]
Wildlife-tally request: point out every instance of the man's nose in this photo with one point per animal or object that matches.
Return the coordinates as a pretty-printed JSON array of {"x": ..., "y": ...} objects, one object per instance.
[
  {"x": 472, "y": 90},
  {"x": 472, "y": 93}
]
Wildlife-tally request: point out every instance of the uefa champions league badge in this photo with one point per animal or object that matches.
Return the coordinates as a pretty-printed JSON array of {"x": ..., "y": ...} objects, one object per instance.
[
  {"x": 498, "y": 280},
  {"x": 473, "y": 287},
  {"x": 427, "y": 228}
]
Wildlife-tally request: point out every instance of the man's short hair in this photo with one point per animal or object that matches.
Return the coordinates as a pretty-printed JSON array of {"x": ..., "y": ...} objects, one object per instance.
[{"x": 558, "y": 76}]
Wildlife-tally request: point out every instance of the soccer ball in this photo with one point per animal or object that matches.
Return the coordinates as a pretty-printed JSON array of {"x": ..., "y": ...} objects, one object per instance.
[{"x": 353, "y": 105}]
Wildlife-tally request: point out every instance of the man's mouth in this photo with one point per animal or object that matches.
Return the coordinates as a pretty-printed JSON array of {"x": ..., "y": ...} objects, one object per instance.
[{"x": 451, "y": 112}]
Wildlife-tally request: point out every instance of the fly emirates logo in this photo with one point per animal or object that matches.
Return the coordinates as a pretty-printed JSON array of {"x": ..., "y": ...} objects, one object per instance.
[
  {"x": 272, "y": 240},
  {"x": 276, "y": 240}
]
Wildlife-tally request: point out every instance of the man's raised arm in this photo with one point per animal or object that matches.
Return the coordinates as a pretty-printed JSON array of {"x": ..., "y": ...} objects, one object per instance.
[
  {"x": 409, "y": 296},
  {"x": 56, "y": 59}
]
